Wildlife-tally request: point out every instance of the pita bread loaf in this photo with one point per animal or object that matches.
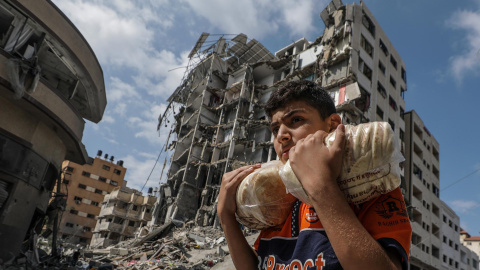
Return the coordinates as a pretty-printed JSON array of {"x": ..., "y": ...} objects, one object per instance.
[
  {"x": 262, "y": 199},
  {"x": 370, "y": 164}
]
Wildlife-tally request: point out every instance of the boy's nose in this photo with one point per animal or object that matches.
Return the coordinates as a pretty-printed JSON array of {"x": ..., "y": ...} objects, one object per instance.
[{"x": 283, "y": 134}]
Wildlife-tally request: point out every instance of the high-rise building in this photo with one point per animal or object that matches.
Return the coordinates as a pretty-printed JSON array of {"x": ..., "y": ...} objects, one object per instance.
[
  {"x": 85, "y": 187},
  {"x": 50, "y": 83},
  {"x": 422, "y": 183},
  {"x": 473, "y": 244},
  {"x": 221, "y": 125}
]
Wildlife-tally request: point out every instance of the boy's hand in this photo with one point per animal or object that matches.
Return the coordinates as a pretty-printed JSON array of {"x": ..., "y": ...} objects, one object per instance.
[
  {"x": 316, "y": 165},
  {"x": 227, "y": 205}
]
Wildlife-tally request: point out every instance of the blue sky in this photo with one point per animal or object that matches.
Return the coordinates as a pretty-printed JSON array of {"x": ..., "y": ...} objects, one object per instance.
[{"x": 143, "y": 46}]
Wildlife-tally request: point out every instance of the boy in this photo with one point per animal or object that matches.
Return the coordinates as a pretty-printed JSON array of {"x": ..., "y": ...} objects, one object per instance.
[{"x": 330, "y": 233}]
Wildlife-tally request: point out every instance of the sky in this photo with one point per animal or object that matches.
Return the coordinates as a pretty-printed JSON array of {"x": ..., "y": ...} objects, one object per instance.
[{"x": 142, "y": 46}]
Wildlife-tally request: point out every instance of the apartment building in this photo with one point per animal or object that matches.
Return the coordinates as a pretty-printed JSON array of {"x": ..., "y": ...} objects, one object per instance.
[
  {"x": 50, "y": 83},
  {"x": 422, "y": 183},
  {"x": 123, "y": 212},
  {"x": 220, "y": 124},
  {"x": 455, "y": 255},
  {"x": 473, "y": 244},
  {"x": 86, "y": 187}
]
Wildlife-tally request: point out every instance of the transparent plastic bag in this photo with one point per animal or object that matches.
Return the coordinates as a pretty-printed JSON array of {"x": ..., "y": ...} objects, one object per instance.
[
  {"x": 370, "y": 164},
  {"x": 262, "y": 200}
]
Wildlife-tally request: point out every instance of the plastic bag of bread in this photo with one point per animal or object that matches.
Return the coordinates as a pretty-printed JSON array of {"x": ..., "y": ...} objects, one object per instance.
[
  {"x": 262, "y": 200},
  {"x": 370, "y": 164}
]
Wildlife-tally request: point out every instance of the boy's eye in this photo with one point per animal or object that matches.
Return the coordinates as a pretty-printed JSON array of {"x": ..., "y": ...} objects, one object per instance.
[
  {"x": 275, "y": 130},
  {"x": 296, "y": 119}
]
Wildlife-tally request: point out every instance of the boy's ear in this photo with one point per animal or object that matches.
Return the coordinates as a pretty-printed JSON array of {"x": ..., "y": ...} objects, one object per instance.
[{"x": 335, "y": 120}]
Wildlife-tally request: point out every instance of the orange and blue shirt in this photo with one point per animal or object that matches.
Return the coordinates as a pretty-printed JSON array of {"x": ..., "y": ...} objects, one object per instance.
[{"x": 302, "y": 243}]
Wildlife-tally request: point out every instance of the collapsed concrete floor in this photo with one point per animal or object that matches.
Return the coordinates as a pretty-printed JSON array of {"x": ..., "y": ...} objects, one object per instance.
[{"x": 165, "y": 247}]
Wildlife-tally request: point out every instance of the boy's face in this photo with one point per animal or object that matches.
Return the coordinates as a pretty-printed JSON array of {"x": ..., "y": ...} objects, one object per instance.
[{"x": 293, "y": 122}]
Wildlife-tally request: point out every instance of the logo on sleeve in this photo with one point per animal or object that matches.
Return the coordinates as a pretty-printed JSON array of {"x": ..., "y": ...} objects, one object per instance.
[
  {"x": 391, "y": 206},
  {"x": 311, "y": 215}
]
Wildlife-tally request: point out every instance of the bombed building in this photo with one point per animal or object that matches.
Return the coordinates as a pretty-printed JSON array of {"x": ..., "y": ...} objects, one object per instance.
[
  {"x": 220, "y": 122},
  {"x": 50, "y": 83}
]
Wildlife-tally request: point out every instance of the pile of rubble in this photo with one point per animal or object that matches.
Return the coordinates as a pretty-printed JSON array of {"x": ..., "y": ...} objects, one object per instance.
[{"x": 166, "y": 247}]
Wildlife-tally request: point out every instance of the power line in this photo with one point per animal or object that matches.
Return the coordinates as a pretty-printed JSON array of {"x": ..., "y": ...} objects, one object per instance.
[{"x": 463, "y": 178}]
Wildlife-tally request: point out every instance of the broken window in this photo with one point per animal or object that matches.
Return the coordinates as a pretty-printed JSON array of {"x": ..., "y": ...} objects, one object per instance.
[
  {"x": 367, "y": 22},
  {"x": 77, "y": 199},
  {"x": 383, "y": 47},
  {"x": 90, "y": 216},
  {"x": 68, "y": 224},
  {"x": 381, "y": 90},
  {"x": 367, "y": 71},
  {"x": 417, "y": 171},
  {"x": 134, "y": 208},
  {"x": 366, "y": 46},
  {"x": 381, "y": 67},
  {"x": 94, "y": 203},
  {"x": 393, "y": 61},
  {"x": 380, "y": 112},
  {"x": 392, "y": 103},
  {"x": 65, "y": 181},
  {"x": 87, "y": 229},
  {"x": 131, "y": 223},
  {"x": 393, "y": 82}
]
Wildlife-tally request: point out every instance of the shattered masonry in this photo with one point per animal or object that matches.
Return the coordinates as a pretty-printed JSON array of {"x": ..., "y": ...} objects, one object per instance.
[{"x": 221, "y": 124}]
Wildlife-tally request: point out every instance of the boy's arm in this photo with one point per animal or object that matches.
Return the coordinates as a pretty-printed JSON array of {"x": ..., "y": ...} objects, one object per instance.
[
  {"x": 242, "y": 254},
  {"x": 318, "y": 167}
]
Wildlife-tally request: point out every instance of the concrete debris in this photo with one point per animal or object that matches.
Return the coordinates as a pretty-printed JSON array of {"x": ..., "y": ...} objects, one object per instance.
[{"x": 186, "y": 247}]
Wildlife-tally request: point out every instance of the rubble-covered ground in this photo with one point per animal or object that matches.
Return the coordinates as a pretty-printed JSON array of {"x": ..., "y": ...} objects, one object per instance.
[{"x": 167, "y": 247}]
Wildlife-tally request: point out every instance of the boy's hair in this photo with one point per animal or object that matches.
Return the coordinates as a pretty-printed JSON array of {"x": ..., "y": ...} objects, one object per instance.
[{"x": 307, "y": 91}]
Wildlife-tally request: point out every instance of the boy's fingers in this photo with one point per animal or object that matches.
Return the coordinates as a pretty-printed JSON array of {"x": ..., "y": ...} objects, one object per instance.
[{"x": 339, "y": 143}]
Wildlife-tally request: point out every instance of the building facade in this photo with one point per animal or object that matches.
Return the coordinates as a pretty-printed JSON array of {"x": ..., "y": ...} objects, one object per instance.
[
  {"x": 123, "y": 212},
  {"x": 221, "y": 125},
  {"x": 86, "y": 187},
  {"x": 473, "y": 244},
  {"x": 454, "y": 254},
  {"x": 50, "y": 82},
  {"x": 422, "y": 183}
]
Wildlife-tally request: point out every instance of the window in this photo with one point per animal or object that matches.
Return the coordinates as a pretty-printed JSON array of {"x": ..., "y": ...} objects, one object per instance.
[
  {"x": 393, "y": 61},
  {"x": 402, "y": 135},
  {"x": 147, "y": 210},
  {"x": 105, "y": 167},
  {"x": 66, "y": 182},
  {"x": 392, "y": 103},
  {"x": 103, "y": 179},
  {"x": 90, "y": 216},
  {"x": 68, "y": 224},
  {"x": 86, "y": 174},
  {"x": 381, "y": 90},
  {"x": 381, "y": 67},
  {"x": 404, "y": 75},
  {"x": 94, "y": 203},
  {"x": 87, "y": 229},
  {"x": 392, "y": 124},
  {"x": 362, "y": 67},
  {"x": 82, "y": 186},
  {"x": 77, "y": 200},
  {"x": 131, "y": 223},
  {"x": 367, "y": 22},
  {"x": 444, "y": 239},
  {"x": 73, "y": 211},
  {"x": 402, "y": 112},
  {"x": 117, "y": 171},
  {"x": 113, "y": 183},
  {"x": 393, "y": 82},
  {"x": 69, "y": 169},
  {"x": 366, "y": 46},
  {"x": 134, "y": 208},
  {"x": 98, "y": 191},
  {"x": 444, "y": 218},
  {"x": 417, "y": 171},
  {"x": 383, "y": 47},
  {"x": 380, "y": 112}
]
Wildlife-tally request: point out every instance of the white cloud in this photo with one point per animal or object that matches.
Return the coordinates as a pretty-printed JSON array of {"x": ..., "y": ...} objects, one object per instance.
[
  {"x": 468, "y": 61},
  {"x": 461, "y": 206},
  {"x": 139, "y": 169},
  {"x": 259, "y": 18}
]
